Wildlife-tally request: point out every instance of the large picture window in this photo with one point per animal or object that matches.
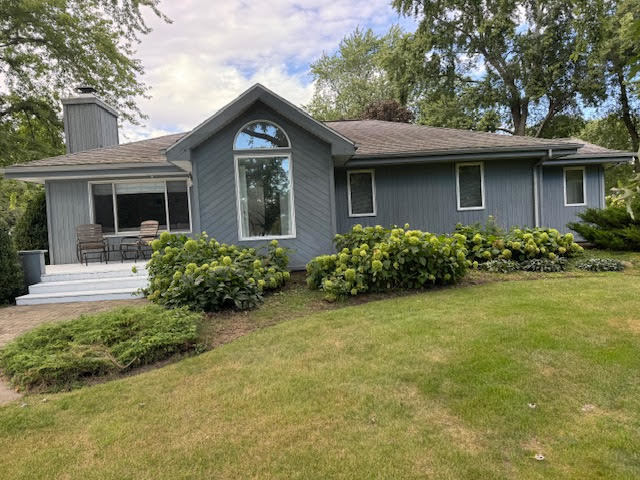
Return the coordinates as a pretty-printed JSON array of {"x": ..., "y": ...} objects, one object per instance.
[
  {"x": 470, "y": 186},
  {"x": 362, "y": 193},
  {"x": 574, "y": 187},
  {"x": 265, "y": 197},
  {"x": 120, "y": 207}
]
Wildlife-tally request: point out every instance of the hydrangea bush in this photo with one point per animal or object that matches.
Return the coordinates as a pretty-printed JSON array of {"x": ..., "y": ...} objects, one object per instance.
[
  {"x": 519, "y": 244},
  {"x": 374, "y": 259},
  {"x": 206, "y": 275}
]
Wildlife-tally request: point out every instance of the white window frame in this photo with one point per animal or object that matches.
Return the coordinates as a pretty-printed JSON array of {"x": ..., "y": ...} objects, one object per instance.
[
  {"x": 584, "y": 186},
  {"x": 266, "y": 153},
  {"x": 129, "y": 233},
  {"x": 470, "y": 164},
  {"x": 373, "y": 193},
  {"x": 266, "y": 149}
]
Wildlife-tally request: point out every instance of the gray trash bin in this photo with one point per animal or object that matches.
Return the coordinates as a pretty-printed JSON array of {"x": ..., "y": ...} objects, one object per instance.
[{"x": 32, "y": 265}]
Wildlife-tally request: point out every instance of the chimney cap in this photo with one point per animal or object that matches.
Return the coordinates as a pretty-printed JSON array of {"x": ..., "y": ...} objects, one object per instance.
[{"x": 86, "y": 89}]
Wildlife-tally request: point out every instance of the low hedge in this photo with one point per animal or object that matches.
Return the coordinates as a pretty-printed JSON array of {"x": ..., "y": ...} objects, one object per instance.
[
  {"x": 206, "y": 275},
  {"x": 518, "y": 244},
  {"x": 59, "y": 355},
  {"x": 375, "y": 259}
]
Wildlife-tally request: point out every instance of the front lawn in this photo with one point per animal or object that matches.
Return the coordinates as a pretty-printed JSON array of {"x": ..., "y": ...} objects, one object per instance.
[{"x": 436, "y": 384}]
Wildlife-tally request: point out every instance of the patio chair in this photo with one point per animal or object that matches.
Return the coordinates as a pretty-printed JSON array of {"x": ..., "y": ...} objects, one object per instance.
[
  {"x": 90, "y": 240},
  {"x": 140, "y": 243}
]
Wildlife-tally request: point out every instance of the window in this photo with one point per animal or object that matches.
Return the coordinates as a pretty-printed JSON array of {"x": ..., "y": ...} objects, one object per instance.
[
  {"x": 361, "y": 191},
  {"x": 259, "y": 135},
  {"x": 470, "y": 186},
  {"x": 265, "y": 197},
  {"x": 120, "y": 207},
  {"x": 574, "y": 187}
]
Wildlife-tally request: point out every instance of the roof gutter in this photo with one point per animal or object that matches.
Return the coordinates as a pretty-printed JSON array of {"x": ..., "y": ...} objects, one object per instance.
[{"x": 453, "y": 157}]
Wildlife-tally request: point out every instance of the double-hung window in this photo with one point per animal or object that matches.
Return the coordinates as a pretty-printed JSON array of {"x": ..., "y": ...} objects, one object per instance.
[
  {"x": 470, "y": 186},
  {"x": 120, "y": 207},
  {"x": 264, "y": 182},
  {"x": 361, "y": 191},
  {"x": 575, "y": 193}
]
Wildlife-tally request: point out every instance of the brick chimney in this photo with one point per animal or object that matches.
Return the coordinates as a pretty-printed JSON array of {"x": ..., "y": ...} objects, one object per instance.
[{"x": 88, "y": 122}]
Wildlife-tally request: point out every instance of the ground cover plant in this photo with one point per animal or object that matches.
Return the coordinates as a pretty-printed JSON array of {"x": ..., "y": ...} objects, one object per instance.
[
  {"x": 374, "y": 259},
  {"x": 59, "y": 355},
  {"x": 206, "y": 275},
  {"x": 472, "y": 381},
  {"x": 600, "y": 265}
]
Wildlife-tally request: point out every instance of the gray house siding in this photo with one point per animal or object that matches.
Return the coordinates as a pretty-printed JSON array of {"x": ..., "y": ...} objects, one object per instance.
[
  {"x": 88, "y": 126},
  {"x": 67, "y": 207},
  {"x": 554, "y": 213},
  {"x": 213, "y": 160},
  {"x": 425, "y": 196}
]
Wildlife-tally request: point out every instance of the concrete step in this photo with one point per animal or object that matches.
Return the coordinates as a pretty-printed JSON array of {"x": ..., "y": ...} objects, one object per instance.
[
  {"x": 79, "y": 296},
  {"x": 132, "y": 282}
]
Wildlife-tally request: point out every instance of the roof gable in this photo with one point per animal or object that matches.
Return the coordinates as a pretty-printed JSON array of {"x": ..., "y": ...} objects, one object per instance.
[{"x": 340, "y": 145}]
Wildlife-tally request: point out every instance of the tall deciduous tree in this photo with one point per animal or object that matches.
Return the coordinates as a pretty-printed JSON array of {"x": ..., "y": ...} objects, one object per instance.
[
  {"x": 347, "y": 81},
  {"x": 515, "y": 58}
]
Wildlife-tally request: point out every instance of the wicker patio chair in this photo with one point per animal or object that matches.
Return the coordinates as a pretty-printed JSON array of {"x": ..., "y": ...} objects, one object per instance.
[
  {"x": 139, "y": 244},
  {"x": 90, "y": 240}
]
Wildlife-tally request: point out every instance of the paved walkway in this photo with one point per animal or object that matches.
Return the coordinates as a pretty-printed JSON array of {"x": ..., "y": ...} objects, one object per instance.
[{"x": 17, "y": 320}]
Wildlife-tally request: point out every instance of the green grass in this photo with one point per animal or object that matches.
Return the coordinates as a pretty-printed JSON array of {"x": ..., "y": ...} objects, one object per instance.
[
  {"x": 61, "y": 355},
  {"x": 435, "y": 384}
]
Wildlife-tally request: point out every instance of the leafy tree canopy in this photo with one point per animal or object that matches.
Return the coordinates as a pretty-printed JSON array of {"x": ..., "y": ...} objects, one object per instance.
[
  {"x": 347, "y": 81},
  {"x": 387, "y": 110}
]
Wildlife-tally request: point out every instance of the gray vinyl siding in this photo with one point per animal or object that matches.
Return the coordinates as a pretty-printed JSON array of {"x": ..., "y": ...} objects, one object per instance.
[
  {"x": 88, "y": 126},
  {"x": 425, "y": 196},
  {"x": 67, "y": 207},
  {"x": 554, "y": 213},
  {"x": 311, "y": 166}
]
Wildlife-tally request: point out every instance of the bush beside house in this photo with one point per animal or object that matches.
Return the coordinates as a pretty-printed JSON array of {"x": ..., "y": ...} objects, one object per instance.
[
  {"x": 11, "y": 278},
  {"x": 206, "y": 275},
  {"x": 30, "y": 232},
  {"x": 374, "y": 259},
  {"x": 611, "y": 228}
]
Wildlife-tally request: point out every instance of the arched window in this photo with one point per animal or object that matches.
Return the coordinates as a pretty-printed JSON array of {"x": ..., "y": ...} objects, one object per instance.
[
  {"x": 264, "y": 182},
  {"x": 261, "y": 134}
]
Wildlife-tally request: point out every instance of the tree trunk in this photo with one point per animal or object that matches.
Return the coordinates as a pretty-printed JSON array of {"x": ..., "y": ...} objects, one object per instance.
[
  {"x": 519, "y": 115},
  {"x": 627, "y": 116}
]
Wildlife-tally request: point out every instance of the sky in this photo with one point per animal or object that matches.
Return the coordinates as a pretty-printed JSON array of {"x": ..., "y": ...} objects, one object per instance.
[{"x": 216, "y": 49}]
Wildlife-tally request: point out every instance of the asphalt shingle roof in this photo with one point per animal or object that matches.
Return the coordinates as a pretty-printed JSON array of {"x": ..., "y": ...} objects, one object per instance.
[
  {"x": 372, "y": 137},
  {"x": 377, "y": 137}
]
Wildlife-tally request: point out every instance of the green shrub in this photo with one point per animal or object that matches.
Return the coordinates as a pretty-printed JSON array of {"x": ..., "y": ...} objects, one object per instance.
[
  {"x": 11, "y": 279},
  {"x": 500, "y": 265},
  {"x": 518, "y": 244},
  {"x": 601, "y": 265},
  {"x": 206, "y": 275},
  {"x": 30, "y": 232},
  {"x": 59, "y": 355},
  {"x": 381, "y": 259},
  {"x": 611, "y": 228},
  {"x": 544, "y": 265}
]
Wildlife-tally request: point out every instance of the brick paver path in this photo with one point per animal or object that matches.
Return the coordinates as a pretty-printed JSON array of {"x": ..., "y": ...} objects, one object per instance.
[{"x": 16, "y": 320}]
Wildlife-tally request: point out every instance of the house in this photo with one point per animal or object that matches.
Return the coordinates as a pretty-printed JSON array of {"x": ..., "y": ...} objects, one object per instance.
[{"x": 261, "y": 168}]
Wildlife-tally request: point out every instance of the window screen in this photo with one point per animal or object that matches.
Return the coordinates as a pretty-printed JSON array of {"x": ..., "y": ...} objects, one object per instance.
[
  {"x": 574, "y": 186},
  {"x": 137, "y": 202},
  {"x": 178, "y": 206},
  {"x": 470, "y": 186},
  {"x": 361, "y": 192}
]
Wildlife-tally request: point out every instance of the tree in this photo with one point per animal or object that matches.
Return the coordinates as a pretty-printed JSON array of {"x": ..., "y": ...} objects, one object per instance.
[
  {"x": 515, "y": 59},
  {"x": 12, "y": 283},
  {"x": 387, "y": 110},
  {"x": 610, "y": 33},
  {"x": 352, "y": 78},
  {"x": 561, "y": 126}
]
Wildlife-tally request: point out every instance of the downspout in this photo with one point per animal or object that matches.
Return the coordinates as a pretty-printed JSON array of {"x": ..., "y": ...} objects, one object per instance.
[{"x": 537, "y": 176}]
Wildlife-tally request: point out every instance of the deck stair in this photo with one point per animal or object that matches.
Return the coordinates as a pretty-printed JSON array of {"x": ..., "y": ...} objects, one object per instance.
[{"x": 79, "y": 283}]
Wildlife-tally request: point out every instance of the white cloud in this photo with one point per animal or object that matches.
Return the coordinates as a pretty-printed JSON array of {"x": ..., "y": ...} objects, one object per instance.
[{"x": 214, "y": 50}]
